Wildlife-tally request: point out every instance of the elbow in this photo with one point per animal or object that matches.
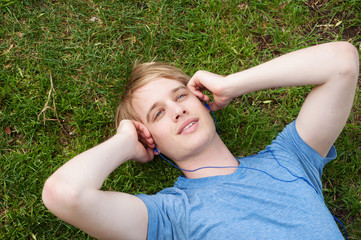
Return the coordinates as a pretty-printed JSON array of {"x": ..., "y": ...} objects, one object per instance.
[
  {"x": 59, "y": 199},
  {"x": 348, "y": 61},
  {"x": 49, "y": 194}
]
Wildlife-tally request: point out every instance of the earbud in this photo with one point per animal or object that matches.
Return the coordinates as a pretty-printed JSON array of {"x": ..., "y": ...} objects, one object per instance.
[{"x": 156, "y": 150}]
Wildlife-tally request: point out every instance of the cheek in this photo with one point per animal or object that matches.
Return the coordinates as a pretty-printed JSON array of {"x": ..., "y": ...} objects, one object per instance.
[
  {"x": 158, "y": 134},
  {"x": 163, "y": 139}
]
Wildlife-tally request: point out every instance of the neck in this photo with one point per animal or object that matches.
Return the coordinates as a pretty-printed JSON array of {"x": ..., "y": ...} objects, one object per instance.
[{"x": 215, "y": 154}]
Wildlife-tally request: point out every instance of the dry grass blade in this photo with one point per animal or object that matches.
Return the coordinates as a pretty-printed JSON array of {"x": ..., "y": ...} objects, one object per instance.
[{"x": 51, "y": 94}]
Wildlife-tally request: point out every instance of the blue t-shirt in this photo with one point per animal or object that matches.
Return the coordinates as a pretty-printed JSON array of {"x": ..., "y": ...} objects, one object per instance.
[{"x": 275, "y": 194}]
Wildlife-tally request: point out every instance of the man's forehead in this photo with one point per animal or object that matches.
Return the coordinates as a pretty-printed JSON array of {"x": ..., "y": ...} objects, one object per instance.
[
  {"x": 148, "y": 96},
  {"x": 156, "y": 89},
  {"x": 164, "y": 82}
]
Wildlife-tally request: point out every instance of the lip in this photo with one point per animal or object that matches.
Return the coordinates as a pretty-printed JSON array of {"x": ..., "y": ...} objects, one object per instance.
[{"x": 186, "y": 123}]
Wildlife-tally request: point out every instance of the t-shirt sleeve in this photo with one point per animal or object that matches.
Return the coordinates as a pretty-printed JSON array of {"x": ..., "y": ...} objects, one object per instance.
[
  {"x": 166, "y": 214},
  {"x": 298, "y": 155}
]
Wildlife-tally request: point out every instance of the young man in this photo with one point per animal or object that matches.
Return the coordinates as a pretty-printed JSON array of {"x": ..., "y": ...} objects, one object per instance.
[{"x": 276, "y": 194}]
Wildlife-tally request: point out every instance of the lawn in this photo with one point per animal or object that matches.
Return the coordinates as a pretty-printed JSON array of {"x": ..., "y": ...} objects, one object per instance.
[{"x": 63, "y": 66}]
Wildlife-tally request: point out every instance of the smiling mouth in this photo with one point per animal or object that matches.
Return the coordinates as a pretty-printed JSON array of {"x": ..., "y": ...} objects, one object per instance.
[{"x": 187, "y": 127}]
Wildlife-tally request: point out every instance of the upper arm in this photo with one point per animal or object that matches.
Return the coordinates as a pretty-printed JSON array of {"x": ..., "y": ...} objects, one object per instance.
[
  {"x": 102, "y": 214},
  {"x": 327, "y": 107},
  {"x": 114, "y": 215}
]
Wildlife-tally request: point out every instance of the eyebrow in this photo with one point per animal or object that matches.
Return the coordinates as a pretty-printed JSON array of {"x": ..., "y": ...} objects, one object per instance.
[{"x": 154, "y": 105}]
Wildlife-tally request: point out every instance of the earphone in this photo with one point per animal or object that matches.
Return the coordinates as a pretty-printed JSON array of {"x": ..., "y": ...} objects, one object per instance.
[
  {"x": 207, "y": 106},
  {"x": 248, "y": 168}
]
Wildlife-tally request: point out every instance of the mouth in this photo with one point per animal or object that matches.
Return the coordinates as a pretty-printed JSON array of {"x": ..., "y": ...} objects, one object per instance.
[{"x": 188, "y": 126}]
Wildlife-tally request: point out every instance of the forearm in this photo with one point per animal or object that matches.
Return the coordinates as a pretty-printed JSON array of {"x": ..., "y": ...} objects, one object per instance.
[
  {"x": 90, "y": 168},
  {"x": 86, "y": 172},
  {"x": 68, "y": 191},
  {"x": 311, "y": 66},
  {"x": 73, "y": 192}
]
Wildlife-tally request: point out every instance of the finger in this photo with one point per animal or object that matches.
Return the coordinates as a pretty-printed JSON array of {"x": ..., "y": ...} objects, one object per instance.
[
  {"x": 150, "y": 152},
  {"x": 199, "y": 94},
  {"x": 146, "y": 156},
  {"x": 195, "y": 85},
  {"x": 143, "y": 143},
  {"x": 205, "y": 98},
  {"x": 146, "y": 138},
  {"x": 196, "y": 92},
  {"x": 150, "y": 143},
  {"x": 141, "y": 127},
  {"x": 146, "y": 142},
  {"x": 149, "y": 155},
  {"x": 142, "y": 131},
  {"x": 144, "y": 134},
  {"x": 214, "y": 107},
  {"x": 141, "y": 134}
]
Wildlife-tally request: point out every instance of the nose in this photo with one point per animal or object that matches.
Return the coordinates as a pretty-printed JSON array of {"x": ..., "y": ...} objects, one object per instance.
[{"x": 178, "y": 112}]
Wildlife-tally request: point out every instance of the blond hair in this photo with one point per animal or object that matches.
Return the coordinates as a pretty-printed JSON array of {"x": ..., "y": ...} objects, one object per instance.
[{"x": 140, "y": 76}]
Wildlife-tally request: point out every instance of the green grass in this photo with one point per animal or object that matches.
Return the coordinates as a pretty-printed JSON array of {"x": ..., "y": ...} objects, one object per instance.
[{"x": 88, "y": 62}]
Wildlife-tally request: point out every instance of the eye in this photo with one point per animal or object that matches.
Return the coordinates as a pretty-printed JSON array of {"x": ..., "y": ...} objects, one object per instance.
[
  {"x": 158, "y": 114},
  {"x": 183, "y": 95}
]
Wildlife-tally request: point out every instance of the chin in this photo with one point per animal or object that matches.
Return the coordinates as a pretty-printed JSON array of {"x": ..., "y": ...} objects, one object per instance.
[{"x": 191, "y": 147}]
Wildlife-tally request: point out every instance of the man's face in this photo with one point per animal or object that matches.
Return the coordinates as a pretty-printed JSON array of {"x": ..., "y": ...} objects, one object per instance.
[{"x": 179, "y": 123}]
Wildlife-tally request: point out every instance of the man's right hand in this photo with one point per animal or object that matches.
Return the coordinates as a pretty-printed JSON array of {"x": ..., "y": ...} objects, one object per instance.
[{"x": 138, "y": 135}]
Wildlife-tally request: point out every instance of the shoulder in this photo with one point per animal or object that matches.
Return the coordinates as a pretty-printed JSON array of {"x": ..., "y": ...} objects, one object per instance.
[
  {"x": 296, "y": 154},
  {"x": 290, "y": 141},
  {"x": 166, "y": 213},
  {"x": 167, "y": 196}
]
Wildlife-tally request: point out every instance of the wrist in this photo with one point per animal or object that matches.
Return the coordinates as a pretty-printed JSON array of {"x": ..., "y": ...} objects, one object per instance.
[
  {"x": 235, "y": 85},
  {"x": 121, "y": 147}
]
